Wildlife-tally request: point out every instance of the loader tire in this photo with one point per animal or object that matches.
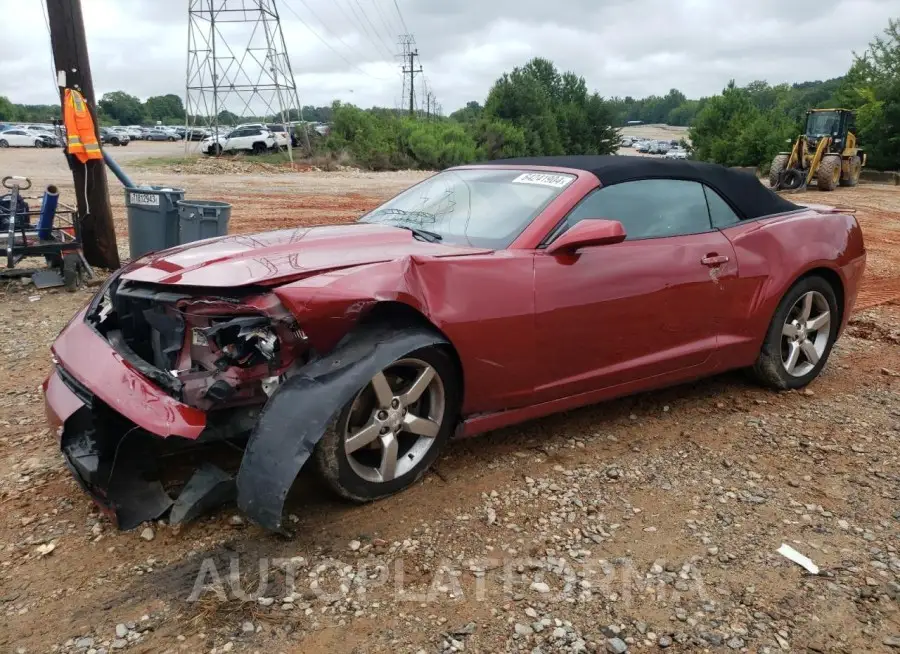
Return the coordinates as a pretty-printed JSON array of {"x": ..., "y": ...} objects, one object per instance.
[
  {"x": 828, "y": 176},
  {"x": 855, "y": 170},
  {"x": 779, "y": 163}
]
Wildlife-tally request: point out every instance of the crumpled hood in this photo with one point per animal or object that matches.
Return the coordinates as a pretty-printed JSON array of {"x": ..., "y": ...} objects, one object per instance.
[{"x": 280, "y": 256}]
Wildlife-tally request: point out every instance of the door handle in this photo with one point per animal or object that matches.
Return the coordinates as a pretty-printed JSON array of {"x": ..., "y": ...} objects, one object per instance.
[{"x": 714, "y": 260}]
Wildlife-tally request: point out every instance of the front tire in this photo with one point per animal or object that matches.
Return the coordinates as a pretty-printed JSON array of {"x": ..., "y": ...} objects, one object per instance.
[
  {"x": 395, "y": 427},
  {"x": 4, "y": 143},
  {"x": 800, "y": 336},
  {"x": 828, "y": 176}
]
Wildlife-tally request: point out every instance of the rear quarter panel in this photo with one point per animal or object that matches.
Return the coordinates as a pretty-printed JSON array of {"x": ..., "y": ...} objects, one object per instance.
[{"x": 772, "y": 254}]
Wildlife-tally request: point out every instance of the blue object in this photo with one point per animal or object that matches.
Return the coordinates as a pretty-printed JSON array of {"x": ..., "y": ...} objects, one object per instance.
[
  {"x": 48, "y": 212},
  {"x": 118, "y": 172}
]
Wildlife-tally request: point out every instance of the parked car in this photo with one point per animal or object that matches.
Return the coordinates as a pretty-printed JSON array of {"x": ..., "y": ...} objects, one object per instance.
[
  {"x": 160, "y": 135},
  {"x": 626, "y": 141},
  {"x": 677, "y": 154},
  {"x": 241, "y": 139},
  {"x": 135, "y": 132},
  {"x": 643, "y": 146},
  {"x": 281, "y": 135},
  {"x": 484, "y": 296},
  {"x": 114, "y": 137},
  {"x": 24, "y": 138}
]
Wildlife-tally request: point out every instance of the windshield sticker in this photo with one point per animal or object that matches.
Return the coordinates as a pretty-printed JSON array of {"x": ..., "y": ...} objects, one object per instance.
[{"x": 543, "y": 179}]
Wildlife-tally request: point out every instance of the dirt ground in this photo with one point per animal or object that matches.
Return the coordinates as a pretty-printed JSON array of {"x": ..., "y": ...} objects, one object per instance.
[{"x": 647, "y": 523}]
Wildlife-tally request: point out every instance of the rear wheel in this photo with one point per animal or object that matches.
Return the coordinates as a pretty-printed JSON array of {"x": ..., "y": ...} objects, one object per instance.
[
  {"x": 779, "y": 163},
  {"x": 855, "y": 170},
  {"x": 800, "y": 336},
  {"x": 259, "y": 147},
  {"x": 829, "y": 174},
  {"x": 4, "y": 143},
  {"x": 115, "y": 141},
  {"x": 393, "y": 429}
]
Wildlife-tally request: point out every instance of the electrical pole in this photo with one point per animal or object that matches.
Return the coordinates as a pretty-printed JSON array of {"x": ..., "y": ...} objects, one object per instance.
[
  {"x": 73, "y": 70},
  {"x": 409, "y": 55}
]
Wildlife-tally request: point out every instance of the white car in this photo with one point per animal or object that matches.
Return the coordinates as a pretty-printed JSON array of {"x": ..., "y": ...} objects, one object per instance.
[
  {"x": 242, "y": 139},
  {"x": 26, "y": 138},
  {"x": 677, "y": 154}
]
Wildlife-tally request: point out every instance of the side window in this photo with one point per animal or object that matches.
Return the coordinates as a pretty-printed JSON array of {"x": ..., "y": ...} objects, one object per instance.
[
  {"x": 648, "y": 208},
  {"x": 721, "y": 214},
  {"x": 238, "y": 133}
]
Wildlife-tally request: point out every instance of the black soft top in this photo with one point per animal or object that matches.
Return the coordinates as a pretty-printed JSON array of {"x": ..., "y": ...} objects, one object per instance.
[{"x": 742, "y": 190}]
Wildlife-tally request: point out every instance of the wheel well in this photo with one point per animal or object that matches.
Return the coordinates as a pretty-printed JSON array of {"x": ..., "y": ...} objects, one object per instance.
[
  {"x": 399, "y": 316},
  {"x": 834, "y": 280}
]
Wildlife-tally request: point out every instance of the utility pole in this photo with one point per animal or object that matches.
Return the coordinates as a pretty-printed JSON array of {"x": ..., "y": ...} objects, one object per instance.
[
  {"x": 73, "y": 70},
  {"x": 408, "y": 56}
]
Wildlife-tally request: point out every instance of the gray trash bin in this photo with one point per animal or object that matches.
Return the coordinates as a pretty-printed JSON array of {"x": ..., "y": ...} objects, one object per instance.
[
  {"x": 152, "y": 218},
  {"x": 200, "y": 219}
]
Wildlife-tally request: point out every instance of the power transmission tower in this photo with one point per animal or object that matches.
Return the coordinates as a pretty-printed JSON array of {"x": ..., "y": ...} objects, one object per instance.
[
  {"x": 238, "y": 65},
  {"x": 70, "y": 58},
  {"x": 408, "y": 56}
]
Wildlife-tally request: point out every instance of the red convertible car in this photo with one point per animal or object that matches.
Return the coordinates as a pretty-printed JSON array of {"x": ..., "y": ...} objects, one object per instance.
[{"x": 484, "y": 296}]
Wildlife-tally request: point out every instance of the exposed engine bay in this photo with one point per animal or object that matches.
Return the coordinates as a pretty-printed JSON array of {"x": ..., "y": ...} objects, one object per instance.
[{"x": 210, "y": 352}]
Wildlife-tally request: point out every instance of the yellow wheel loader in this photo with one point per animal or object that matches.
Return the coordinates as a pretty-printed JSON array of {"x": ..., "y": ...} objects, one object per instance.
[{"x": 827, "y": 153}]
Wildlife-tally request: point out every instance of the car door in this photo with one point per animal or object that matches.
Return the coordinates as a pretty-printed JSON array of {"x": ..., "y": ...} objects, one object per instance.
[
  {"x": 648, "y": 306},
  {"x": 17, "y": 138},
  {"x": 238, "y": 139}
]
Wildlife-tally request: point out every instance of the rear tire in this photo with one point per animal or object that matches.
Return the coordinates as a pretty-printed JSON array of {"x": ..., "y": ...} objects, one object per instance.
[
  {"x": 790, "y": 330},
  {"x": 779, "y": 163},
  {"x": 259, "y": 148},
  {"x": 356, "y": 475},
  {"x": 855, "y": 170},
  {"x": 4, "y": 143},
  {"x": 828, "y": 176}
]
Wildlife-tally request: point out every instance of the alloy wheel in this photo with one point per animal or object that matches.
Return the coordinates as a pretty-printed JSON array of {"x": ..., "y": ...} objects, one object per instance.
[
  {"x": 393, "y": 422},
  {"x": 805, "y": 334}
]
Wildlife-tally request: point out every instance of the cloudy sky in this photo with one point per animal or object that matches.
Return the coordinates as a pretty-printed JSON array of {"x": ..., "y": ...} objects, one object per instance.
[{"x": 345, "y": 49}]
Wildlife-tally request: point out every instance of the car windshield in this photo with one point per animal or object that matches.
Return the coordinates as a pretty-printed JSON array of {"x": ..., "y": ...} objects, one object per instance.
[
  {"x": 822, "y": 123},
  {"x": 479, "y": 207}
]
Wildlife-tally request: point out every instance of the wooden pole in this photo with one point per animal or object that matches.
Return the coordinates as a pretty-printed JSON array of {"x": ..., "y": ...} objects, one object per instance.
[{"x": 70, "y": 57}]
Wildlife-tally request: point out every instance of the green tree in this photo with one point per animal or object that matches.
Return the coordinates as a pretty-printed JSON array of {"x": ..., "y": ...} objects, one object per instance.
[
  {"x": 8, "y": 111},
  {"x": 469, "y": 114},
  {"x": 124, "y": 108},
  {"x": 166, "y": 108},
  {"x": 554, "y": 112}
]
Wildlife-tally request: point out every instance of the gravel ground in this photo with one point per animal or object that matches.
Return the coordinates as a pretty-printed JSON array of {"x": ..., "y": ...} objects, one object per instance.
[{"x": 642, "y": 524}]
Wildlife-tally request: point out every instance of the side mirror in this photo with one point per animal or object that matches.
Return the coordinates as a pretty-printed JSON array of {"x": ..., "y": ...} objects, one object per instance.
[{"x": 590, "y": 231}]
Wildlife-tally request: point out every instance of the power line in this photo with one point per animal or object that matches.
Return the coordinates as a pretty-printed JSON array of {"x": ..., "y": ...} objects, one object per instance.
[
  {"x": 326, "y": 43},
  {"x": 375, "y": 29},
  {"x": 399, "y": 13},
  {"x": 365, "y": 29},
  {"x": 384, "y": 21}
]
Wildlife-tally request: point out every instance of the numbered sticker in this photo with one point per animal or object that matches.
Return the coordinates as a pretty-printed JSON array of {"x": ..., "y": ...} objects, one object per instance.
[
  {"x": 543, "y": 179},
  {"x": 144, "y": 199}
]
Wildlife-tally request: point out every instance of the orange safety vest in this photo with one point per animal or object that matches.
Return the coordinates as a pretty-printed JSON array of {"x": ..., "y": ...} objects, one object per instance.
[{"x": 80, "y": 130}]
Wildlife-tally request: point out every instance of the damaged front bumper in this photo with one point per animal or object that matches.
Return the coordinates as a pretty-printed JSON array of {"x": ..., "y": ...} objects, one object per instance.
[{"x": 115, "y": 425}]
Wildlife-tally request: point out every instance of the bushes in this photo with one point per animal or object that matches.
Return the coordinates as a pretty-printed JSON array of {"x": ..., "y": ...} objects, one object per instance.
[{"x": 383, "y": 140}]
